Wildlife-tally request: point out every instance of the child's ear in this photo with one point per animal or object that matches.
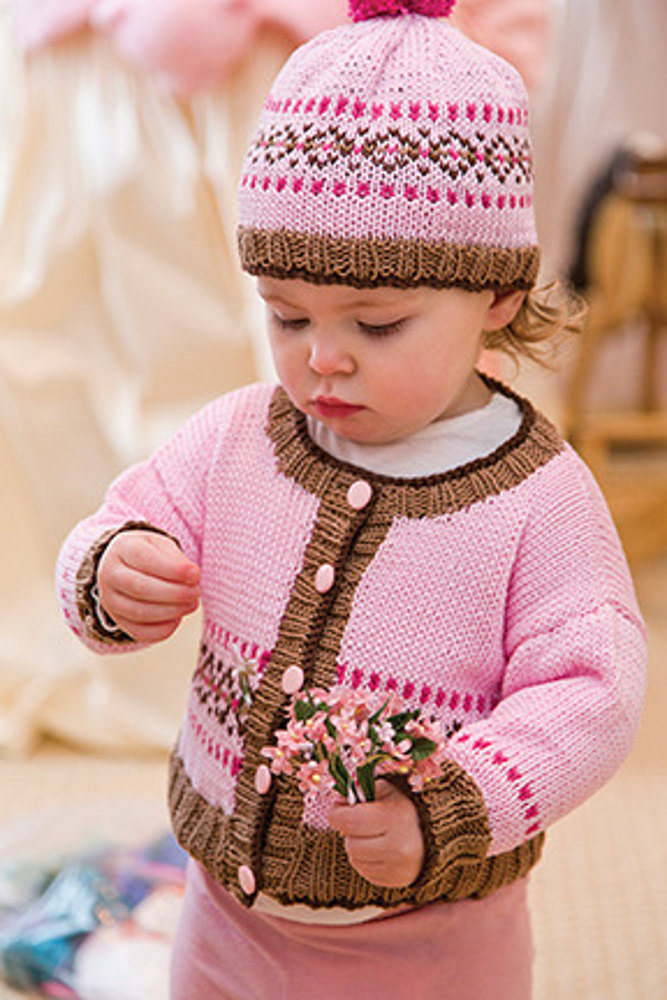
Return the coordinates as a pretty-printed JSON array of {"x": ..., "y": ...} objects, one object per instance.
[{"x": 503, "y": 309}]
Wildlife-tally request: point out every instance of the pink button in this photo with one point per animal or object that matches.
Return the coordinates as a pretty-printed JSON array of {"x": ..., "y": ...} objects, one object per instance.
[
  {"x": 247, "y": 880},
  {"x": 262, "y": 779},
  {"x": 359, "y": 494},
  {"x": 324, "y": 578},
  {"x": 292, "y": 679}
]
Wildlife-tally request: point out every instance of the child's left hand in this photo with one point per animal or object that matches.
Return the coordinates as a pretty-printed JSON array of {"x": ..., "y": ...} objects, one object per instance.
[{"x": 383, "y": 839}]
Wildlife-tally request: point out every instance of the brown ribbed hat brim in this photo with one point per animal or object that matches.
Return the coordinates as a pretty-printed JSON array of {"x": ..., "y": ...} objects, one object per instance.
[{"x": 368, "y": 263}]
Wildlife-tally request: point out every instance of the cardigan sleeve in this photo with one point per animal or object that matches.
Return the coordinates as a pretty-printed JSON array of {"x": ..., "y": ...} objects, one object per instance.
[
  {"x": 573, "y": 685},
  {"x": 167, "y": 493}
]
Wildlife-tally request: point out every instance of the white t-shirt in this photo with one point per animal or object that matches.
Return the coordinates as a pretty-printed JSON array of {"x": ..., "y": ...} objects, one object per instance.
[{"x": 438, "y": 447}]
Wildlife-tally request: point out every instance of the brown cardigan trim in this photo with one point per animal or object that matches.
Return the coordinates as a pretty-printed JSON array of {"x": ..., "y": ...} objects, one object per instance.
[
  {"x": 534, "y": 444},
  {"x": 305, "y": 865},
  {"x": 309, "y": 635}
]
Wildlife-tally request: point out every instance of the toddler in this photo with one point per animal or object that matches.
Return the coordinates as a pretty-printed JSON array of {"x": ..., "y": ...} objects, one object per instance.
[{"x": 386, "y": 518}]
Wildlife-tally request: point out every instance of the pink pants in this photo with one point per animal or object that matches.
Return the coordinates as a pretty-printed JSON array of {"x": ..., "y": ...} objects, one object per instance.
[{"x": 473, "y": 950}]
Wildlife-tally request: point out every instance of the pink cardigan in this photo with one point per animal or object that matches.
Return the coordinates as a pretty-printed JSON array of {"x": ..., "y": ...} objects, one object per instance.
[{"x": 495, "y": 596}]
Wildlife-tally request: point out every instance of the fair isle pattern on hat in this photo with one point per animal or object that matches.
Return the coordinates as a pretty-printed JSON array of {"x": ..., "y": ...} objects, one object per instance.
[{"x": 392, "y": 151}]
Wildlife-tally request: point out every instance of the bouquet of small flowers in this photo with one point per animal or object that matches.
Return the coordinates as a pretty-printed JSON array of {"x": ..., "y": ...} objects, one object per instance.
[{"x": 344, "y": 738}]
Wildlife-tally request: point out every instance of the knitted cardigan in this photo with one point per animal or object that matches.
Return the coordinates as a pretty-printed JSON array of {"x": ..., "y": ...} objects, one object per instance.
[{"x": 495, "y": 597}]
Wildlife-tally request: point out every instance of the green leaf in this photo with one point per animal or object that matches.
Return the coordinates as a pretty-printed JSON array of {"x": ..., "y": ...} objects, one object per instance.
[
  {"x": 304, "y": 710},
  {"x": 376, "y": 715},
  {"x": 366, "y": 779},
  {"x": 338, "y": 772},
  {"x": 399, "y": 720},
  {"x": 422, "y": 748}
]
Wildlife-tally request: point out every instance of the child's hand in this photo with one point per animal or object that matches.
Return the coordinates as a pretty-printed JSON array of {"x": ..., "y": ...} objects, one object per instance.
[
  {"x": 147, "y": 585},
  {"x": 383, "y": 839}
]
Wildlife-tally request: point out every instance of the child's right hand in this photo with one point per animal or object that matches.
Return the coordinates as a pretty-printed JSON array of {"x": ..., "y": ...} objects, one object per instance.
[{"x": 146, "y": 584}]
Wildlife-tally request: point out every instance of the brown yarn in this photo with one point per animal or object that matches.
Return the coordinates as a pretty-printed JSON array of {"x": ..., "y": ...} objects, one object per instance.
[{"x": 370, "y": 263}]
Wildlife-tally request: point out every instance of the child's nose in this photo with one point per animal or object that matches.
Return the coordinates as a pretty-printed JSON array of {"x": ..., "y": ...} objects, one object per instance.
[{"x": 327, "y": 357}]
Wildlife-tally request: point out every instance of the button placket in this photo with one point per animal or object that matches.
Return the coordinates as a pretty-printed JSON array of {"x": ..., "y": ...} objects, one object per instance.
[{"x": 345, "y": 509}]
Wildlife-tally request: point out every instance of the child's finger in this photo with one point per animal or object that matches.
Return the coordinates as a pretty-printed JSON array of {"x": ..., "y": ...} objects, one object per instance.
[
  {"x": 364, "y": 819},
  {"x": 148, "y": 612},
  {"x": 139, "y": 586},
  {"x": 155, "y": 555},
  {"x": 153, "y": 632},
  {"x": 174, "y": 564}
]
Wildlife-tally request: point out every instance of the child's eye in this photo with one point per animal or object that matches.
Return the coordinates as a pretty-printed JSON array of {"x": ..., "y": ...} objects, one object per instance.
[
  {"x": 381, "y": 329},
  {"x": 288, "y": 324}
]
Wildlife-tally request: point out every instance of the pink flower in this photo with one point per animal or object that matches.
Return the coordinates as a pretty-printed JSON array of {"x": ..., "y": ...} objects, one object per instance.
[
  {"x": 314, "y": 777},
  {"x": 315, "y": 729},
  {"x": 385, "y": 733},
  {"x": 425, "y": 771},
  {"x": 280, "y": 762},
  {"x": 344, "y": 737},
  {"x": 294, "y": 739}
]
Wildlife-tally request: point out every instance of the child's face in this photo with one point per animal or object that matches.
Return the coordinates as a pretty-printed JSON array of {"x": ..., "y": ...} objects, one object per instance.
[{"x": 377, "y": 364}]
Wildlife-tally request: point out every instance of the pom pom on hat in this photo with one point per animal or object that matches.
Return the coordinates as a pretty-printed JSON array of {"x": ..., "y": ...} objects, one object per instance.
[{"x": 362, "y": 10}]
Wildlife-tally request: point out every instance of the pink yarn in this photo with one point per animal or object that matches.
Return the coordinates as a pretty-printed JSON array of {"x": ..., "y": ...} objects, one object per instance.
[
  {"x": 362, "y": 10},
  {"x": 393, "y": 130},
  {"x": 560, "y": 645}
]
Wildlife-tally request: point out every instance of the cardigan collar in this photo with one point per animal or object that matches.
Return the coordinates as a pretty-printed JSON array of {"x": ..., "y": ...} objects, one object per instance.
[{"x": 534, "y": 444}]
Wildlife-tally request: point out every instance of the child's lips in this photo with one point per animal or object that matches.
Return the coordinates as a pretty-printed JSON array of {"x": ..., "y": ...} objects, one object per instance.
[{"x": 330, "y": 406}]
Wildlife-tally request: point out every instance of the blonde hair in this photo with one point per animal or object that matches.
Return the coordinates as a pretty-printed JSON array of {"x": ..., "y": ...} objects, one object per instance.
[{"x": 547, "y": 316}]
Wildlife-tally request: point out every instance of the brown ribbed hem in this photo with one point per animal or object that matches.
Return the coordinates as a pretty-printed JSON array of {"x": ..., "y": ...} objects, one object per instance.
[
  {"x": 298, "y": 864},
  {"x": 86, "y": 586},
  {"x": 369, "y": 263}
]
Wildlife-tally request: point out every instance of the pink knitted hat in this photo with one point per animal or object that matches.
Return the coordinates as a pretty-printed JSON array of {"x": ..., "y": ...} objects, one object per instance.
[{"x": 392, "y": 151}]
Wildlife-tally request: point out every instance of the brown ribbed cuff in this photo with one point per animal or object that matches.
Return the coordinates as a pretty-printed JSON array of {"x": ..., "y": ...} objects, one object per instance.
[
  {"x": 456, "y": 832},
  {"x": 97, "y": 624}
]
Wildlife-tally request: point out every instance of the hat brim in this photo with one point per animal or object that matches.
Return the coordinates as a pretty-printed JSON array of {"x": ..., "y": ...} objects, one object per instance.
[{"x": 373, "y": 262}]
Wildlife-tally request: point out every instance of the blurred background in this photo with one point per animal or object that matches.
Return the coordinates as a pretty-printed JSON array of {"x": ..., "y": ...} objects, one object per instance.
[{"x": 123, "y": 309}]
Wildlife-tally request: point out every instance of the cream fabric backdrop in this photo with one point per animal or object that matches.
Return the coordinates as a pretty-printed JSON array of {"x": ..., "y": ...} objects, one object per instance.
[
  {"x": 606, "y": 80},
  {"x": 121, "y": 310}
]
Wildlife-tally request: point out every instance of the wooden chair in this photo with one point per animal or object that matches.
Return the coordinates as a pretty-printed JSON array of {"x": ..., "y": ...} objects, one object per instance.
[{"x": 626, "y": 257}]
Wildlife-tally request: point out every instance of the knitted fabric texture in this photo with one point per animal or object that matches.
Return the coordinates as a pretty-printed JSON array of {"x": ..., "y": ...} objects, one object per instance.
[
  {"x": 392, "y": 151},
  {"x": 360, "y": 10},
  {"x": 494, "y": 597}
]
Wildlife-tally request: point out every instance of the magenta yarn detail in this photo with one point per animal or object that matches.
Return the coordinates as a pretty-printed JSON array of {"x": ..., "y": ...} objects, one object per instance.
[{"x": 363, "y": 10}]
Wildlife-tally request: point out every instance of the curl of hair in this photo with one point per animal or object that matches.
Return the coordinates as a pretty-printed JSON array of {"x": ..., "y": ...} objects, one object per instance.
[{"x": 546, "y": 318}]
